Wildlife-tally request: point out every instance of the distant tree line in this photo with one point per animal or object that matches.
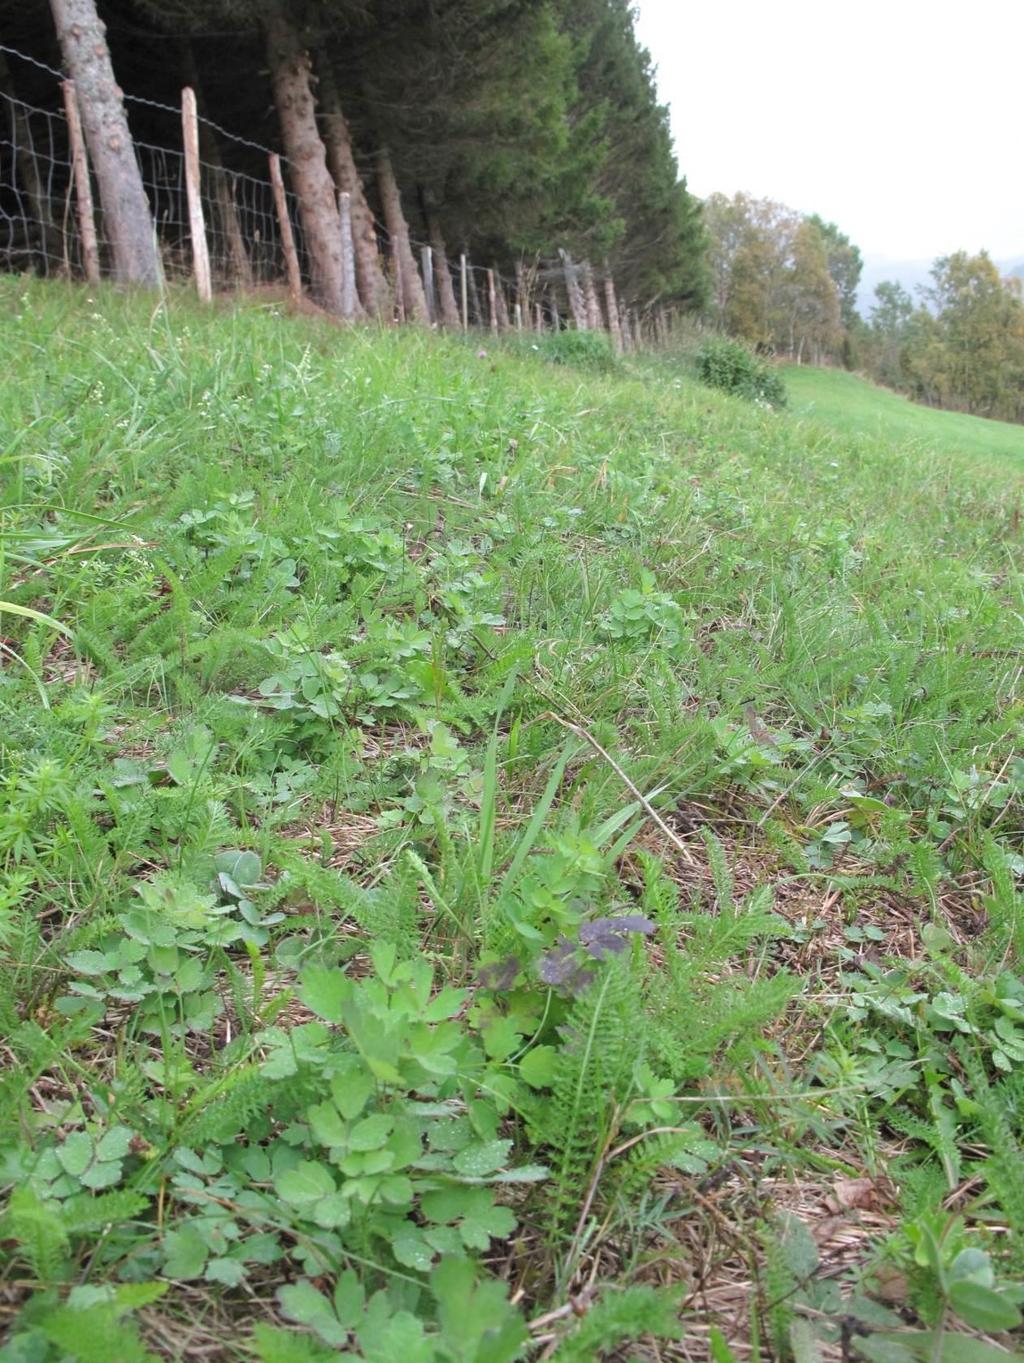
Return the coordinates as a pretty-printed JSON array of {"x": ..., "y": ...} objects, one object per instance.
[
  {"x": 781, "y": 281},
  {"x": 506, "y": 128},
  {"x": 787, "y": 284},
  {"x": 961, "y": 346}
]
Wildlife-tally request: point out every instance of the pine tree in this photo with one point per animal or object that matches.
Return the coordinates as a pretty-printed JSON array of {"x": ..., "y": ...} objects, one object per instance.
[{"x": 127, "y": 220}]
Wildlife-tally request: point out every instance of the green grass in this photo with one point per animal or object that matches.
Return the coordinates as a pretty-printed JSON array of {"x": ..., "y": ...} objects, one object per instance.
[
  {"x": 851, "y": 406},
  {"x": 501, "y": 834}
]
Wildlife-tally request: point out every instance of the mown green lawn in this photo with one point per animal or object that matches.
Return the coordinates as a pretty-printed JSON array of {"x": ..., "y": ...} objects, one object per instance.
[
  {"x": 508, "y": 859},
  {"x": 851, "y": 406}
]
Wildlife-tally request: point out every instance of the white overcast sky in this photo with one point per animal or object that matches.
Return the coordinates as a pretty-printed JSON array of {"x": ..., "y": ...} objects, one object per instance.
[{"x": 901, "y": 120}]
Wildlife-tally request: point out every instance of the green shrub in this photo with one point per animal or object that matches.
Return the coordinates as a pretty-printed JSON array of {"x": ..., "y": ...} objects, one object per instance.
[
  {"x": 583, "y": 349},
  {"x": 733, "y": 367}
]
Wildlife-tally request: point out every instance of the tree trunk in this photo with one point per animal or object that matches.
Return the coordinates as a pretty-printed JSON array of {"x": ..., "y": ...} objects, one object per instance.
[
  {"x": 128, "y": 223},
  {"x": 373, "y": 288},
  {"x": 311, "y": 180},
  {"x": 414, "y": 300},
  {"x": 238, "y": 265},
  {"x": 443, "y": 277},
  {"x": 50, "y": 239}
]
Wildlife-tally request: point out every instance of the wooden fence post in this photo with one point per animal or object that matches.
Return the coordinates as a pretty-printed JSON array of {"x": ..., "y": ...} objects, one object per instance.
[
  {"x": 577, "y": 305},
  {"x": 538, "y": 317},
  {"x": 594, "y": 319},
  {"x": 291, "y": 256},
  {"x": 612, "y": 308},
  {"x": 194, "y": 194},
  {"x": 474, "y": 298},
  {"x": 427, "y": 257},
  {"x": 500, "y": 302},
  {"x": 396, "y": 265},
  {"x": 492, "y": 302},
  {"x": 463, "y": 270},
  {"x": 349, "y": 297},
  {"x": 83, "y": 189}
]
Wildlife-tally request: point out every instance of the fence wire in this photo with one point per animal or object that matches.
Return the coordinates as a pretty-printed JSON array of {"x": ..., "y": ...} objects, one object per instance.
[{"x": 39, "y": 225}]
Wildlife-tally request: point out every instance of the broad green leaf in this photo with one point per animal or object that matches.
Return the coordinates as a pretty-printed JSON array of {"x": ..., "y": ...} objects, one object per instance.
[
  {"x": 982, "y": 1307},
  {"x": 305, "y": 1184},
  {"x": 411, "y": 1249},
  {"x": 921, "y": 1347},
  {"x": 224, "y": 1270},
  {"x": 477, "y": 1319},
  {"x": 332, "y": 1211},
  {"x": 302, "y": 1303},
  {"x": 444, "y": 1005},
  {"x": 185, "y": 1254},
  {"x": 806, "y": 1347},
  {"x": 476, "y": 1161},
  {"x": 349, "y": 1299},
  {"x": 327, "y": 1126},
  {"x": 371, "y": 1133},
  {"x": 351, "y": 1088},
  {"x": 501, "y": 1038},
  {"x": 114, "y": 1144},
  {"x": 480, "y": 1227},
  {"x": 325, "y": 992},
  {"x": 90, "y": 962},
  {"x": 76, "y": 1153},
  {"x": 285, "y": 1346},
  {"x": 538, "y": 1065},
  {"x": 103, "y": 1175},
  {"x": 243, "y": 867}
]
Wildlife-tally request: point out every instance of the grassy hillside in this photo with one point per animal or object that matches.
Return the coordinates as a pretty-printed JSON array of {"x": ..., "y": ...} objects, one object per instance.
[
  {"x": 850, "y": 406},
  {"x": 499, "y": 860}
]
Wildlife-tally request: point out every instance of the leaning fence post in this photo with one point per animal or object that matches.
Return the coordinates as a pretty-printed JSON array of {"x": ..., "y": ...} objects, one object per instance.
[
  {"x": 348, "y": 259},
  {"x": 83, "y": 189},
  {"x": 193, "y": 191},
  {"x": 291, "y": 257},
  {"x": 463, "y": 271}
]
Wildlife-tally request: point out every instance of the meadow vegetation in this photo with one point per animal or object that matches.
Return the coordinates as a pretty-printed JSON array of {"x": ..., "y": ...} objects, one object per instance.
[
  {"x": 506, "y": 855},
  {"x": 852, "y": 406}
]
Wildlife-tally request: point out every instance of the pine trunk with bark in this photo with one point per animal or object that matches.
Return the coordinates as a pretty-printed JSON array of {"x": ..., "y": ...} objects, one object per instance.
[
  {"x": 443, "y": 277},
  {"x": 290, "y": 77},
  {"x": 127, "y": 220},
  {"x": 374, "y": 293},
  {"x": 238, "y": 264},
  {"x": 414, "y": 300}
]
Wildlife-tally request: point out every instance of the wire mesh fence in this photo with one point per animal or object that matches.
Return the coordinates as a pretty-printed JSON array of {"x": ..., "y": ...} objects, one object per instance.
[{"x": 40, "y": 229}]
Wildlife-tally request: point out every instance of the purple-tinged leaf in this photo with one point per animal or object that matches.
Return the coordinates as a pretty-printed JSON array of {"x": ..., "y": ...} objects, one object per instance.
[{"x": 607, "y": 936}]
